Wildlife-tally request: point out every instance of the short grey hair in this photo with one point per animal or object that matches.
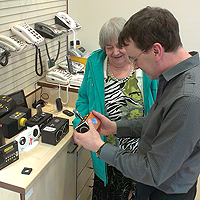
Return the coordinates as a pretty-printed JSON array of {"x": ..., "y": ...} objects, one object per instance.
[{"x": 110, "y": 30}]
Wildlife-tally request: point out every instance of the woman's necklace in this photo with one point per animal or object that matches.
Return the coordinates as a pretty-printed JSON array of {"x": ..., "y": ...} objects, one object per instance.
[{"x": 129, "y": 74}]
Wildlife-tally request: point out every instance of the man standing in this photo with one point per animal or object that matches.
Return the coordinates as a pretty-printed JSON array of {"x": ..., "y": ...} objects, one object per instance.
[{"x": 167, "y": 163}]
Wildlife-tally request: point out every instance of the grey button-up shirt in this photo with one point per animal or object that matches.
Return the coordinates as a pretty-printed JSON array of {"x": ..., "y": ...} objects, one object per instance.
[{"x": 168, "y": 156}]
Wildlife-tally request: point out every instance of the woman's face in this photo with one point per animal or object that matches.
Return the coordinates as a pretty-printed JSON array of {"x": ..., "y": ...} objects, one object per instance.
[{"x": 117, "y": 57}]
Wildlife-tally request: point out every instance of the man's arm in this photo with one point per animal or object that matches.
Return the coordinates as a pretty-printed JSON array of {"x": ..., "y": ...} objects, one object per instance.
[
  {"x": 170, "y": 151},
  {"x": 130, "y": 128}
]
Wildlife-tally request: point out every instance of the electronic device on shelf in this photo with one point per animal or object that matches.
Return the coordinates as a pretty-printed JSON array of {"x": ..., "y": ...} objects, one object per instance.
[
  {"x": 55, "y": 130},
  {"x": 19, "y": 98},
  {"x": 67, "y": 22},
  {"x": 82, "y": 126},
  {"x": 50, "y": 32},
  {"x": 47, "y": 31},
  {"x": 12, "y": 43},
  {"x": 28, "y": 139},
  {"x": 75, "y": 67},
  {"x": 27, "y": 33},
  {"x": 32, "y": 37},
  {"x": 40, "y": 118},
  {"x": 63, "y": 19},
  {"x": 8, "y": 154},
  {"x": 14, "y": 122},
  {"x": 58, "y": 76},
  {"x": 78, "y": 51},
  {"x": 76, "y": 80},
  {"x": 6, "y": 105}
]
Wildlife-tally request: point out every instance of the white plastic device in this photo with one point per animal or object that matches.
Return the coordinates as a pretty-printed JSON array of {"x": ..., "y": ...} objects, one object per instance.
[
  {"x": 12, "y": 44},
  {"x": 76, "y": 66},
  {"x": 58, "y": 76},
  {"x": 27, "y": 33}
]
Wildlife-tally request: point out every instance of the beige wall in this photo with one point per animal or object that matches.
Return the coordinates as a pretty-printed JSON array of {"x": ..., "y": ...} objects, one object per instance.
[{"x": 91, "y": 14}]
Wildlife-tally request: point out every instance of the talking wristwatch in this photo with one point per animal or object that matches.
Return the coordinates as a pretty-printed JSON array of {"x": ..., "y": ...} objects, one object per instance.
[{"x": 99, "y": 150}]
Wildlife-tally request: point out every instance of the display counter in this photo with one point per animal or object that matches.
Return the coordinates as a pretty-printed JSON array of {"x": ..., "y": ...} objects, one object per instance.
[{"x": 54, "y": 169}]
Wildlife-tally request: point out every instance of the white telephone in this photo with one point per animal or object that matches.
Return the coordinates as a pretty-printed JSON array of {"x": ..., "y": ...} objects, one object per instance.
[
  {"x": 30, "y": 36},
  {"x": 76, "y": 80},
  {"x": 58, "y": 76},
  {"x": 27, "y": 33},
  {"x": 12, "y": 44},
  {"x": 75, "y": 65},
  {"x": 66, "y": 21}
]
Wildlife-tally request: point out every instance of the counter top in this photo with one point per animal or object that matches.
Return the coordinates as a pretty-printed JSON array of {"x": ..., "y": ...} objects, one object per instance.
[{"x": 38, "y": 159}]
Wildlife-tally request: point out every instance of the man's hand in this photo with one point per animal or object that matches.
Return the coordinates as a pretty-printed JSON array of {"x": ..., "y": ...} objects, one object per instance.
[
  {"x": 107, "y": 127},
  {"x": 90, "y": 140}
]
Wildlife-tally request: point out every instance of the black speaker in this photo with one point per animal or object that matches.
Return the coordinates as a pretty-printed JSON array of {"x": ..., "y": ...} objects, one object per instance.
[{"x": 55, "y": 130}]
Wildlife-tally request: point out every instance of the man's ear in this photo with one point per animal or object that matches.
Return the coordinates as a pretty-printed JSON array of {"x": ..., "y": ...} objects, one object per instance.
[{"x": 157, "y": 50}]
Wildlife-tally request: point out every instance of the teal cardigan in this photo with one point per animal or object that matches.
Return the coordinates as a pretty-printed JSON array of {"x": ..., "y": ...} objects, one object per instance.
[{"x": 91, "y": 96}]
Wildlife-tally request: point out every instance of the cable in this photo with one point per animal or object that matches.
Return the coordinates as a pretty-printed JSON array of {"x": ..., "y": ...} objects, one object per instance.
[
  {"x": 48, "y": 51},
  {"x": 37, "y": 51},
  {"x": 5, "y": 54},
  {"x": 65, "y": 103}
]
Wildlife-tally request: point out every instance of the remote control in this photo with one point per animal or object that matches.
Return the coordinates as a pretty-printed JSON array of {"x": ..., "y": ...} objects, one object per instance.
[{"x": 68, "y": 112}]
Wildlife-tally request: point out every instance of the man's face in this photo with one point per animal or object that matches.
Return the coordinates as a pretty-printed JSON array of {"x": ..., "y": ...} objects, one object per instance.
[{"x": 145, "y": 60}]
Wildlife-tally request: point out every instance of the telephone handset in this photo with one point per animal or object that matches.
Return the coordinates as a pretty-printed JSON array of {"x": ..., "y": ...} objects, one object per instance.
[
  {"x": 58, "y": 76},
  {"x": 30, "y": 36},
  {"x": 66, "y": 21},
  {"x": 27, "y": 33},
  {"x": 47, "y": 31},
  {"x": 9, "y": 43}
]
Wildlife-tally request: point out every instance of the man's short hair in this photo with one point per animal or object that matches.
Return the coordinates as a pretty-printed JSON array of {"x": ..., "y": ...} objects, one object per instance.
[
  {"x": 110, "y": 30},
  {"x": 151, "y": 25}
]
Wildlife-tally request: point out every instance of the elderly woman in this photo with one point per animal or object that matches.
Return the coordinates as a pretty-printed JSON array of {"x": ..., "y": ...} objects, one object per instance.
[{"x": 111, "y": 88}]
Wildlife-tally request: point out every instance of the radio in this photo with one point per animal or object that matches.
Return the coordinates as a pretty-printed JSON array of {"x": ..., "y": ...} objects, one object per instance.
[
  {"x": 12, "y": 123},
  {"x": 55, "y": 130},
  {"x": 83, "y": 127},
  {"x": 8, "y": 154}
]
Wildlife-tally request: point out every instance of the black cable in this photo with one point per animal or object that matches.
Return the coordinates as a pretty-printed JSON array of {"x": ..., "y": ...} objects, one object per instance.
[
  {"x": 37, "y": 51},
  {"x": 42, "y": 95},
  {"x": 48, "y": 51},
  {"x": 4, "y": 55}
]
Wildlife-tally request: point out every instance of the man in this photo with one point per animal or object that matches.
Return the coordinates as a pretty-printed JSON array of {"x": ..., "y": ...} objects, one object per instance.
[{"x": 167, "y": 163}]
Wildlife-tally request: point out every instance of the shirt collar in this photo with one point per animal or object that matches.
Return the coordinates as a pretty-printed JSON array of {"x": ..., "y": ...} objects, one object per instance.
[{"x": 183, "y": 66}]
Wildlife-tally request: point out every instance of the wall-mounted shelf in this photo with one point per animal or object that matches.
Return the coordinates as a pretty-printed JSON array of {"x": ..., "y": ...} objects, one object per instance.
[{"x": 42, "y": 82}]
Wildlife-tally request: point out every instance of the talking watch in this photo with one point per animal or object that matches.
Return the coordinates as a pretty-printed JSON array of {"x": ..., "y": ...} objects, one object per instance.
[{"x": 99, "y": 150}]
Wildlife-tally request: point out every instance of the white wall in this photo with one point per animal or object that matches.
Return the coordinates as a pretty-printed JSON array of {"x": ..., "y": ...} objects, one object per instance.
[{"x": 91, "y": 14}]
